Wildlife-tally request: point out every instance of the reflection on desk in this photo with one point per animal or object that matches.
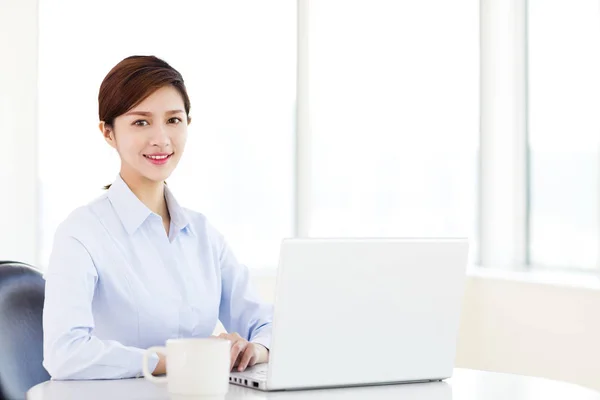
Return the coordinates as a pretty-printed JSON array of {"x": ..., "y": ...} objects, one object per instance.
[{"x": 421, "y": 391}]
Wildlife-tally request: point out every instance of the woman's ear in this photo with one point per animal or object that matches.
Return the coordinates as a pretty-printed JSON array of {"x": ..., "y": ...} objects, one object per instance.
[
  {"x": 189, "y": 118},
  {"x": 108, "y": 133}
]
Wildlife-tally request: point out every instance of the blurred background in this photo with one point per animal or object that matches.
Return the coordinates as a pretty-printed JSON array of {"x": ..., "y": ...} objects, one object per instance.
[{"x": 326, "y": 118}]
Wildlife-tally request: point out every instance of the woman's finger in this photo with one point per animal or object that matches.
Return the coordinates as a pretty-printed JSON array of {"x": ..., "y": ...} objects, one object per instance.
[
  {"x": 236, "y": 349},
  {"x": 246, "y": 358}
]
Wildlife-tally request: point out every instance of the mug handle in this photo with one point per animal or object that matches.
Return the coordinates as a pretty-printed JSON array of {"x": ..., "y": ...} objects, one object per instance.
[{"x": 147, "y": 374}]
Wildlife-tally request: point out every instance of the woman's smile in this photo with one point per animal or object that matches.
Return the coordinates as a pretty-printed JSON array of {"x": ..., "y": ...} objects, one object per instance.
[{"x": 158, "y": 158}]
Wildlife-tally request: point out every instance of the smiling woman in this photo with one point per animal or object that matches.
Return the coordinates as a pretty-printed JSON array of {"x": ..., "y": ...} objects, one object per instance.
[
  {"x": 150, "y": 111},
  {"x": 133, "y": 268}
]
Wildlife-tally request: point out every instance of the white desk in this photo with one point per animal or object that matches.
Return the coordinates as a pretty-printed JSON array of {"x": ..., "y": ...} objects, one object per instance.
[{"x": 464, "y": 385}]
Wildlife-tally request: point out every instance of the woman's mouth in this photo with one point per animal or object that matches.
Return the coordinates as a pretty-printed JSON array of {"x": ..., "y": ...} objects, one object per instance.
[{"x": 158, "y": 158}]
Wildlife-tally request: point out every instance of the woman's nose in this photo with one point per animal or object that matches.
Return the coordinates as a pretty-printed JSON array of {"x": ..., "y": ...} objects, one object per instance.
[{"x": 160, "y": 136}]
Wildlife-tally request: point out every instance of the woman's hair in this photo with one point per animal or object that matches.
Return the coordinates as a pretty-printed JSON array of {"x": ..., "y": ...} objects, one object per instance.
[{"x": 131, "y": 81}]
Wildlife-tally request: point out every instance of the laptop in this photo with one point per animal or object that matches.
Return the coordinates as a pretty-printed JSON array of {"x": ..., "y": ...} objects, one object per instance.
[{"x": 356, "y": 312}]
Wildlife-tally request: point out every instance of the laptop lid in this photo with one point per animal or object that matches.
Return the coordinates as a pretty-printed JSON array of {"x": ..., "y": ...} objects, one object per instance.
[{"x": 366, "y": 311}]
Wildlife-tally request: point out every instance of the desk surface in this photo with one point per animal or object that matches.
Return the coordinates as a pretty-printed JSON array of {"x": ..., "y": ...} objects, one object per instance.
[{"x": 464, "y": 385}]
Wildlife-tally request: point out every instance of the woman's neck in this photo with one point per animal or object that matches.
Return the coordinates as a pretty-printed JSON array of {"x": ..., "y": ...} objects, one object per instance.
[{"x": 151, "y": 193}]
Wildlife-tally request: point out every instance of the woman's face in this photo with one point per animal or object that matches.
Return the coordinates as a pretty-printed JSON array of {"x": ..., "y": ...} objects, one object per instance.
[{"x": 150, "y": 138}]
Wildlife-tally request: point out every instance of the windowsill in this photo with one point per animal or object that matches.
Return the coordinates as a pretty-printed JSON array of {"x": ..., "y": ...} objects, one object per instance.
[
  {"x": 540, "y": 276},
  {"x": 573, "y": 279}
]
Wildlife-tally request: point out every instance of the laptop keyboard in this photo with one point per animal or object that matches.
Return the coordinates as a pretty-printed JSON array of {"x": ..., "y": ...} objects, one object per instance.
[{"x": 258, "y": 372}]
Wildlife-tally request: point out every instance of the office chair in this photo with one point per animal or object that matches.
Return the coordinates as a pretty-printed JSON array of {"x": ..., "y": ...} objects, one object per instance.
[{"x": 21, "y": 336}]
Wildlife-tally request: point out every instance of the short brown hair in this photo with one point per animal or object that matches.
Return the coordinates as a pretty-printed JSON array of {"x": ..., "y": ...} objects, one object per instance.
[
  {"x": 131, "y": 81},
  {"x": 134, "y": 79}
]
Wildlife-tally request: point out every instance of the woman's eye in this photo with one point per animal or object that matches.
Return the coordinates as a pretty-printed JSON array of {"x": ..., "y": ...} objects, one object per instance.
[
  {"x": 174, "y": 120},
  {"x": 141, "y": 122}
]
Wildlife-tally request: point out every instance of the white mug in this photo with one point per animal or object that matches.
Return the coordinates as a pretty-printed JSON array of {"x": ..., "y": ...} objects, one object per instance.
[{"x": 196, "y": 367}]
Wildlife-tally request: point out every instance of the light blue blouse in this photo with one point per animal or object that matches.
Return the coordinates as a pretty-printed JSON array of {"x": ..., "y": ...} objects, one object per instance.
[{"x": 116, "y": 285}]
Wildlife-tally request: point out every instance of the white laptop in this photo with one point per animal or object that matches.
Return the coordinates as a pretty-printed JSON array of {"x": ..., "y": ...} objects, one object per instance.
[{"x": 354, "y": 312}]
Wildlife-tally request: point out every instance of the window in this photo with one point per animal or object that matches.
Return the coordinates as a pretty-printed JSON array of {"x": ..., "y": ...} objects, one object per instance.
[
  {"x": 239, "y": 62},
  {"x": 393, "y": 97},
  {"x": 564, "y": 132},
  {"x": 390, "y": 138},
  {"x": 393, "y": 146}
]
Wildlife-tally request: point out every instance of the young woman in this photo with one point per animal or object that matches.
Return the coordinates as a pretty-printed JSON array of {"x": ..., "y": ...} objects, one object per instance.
[{"x": 133, "y": 268}]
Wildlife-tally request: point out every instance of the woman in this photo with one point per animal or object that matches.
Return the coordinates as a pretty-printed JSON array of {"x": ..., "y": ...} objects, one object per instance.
[{"x": 133, "y": 268}]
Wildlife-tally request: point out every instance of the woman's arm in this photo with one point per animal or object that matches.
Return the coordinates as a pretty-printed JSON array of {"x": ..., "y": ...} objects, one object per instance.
[
  {"x": 70, "y": 349},
  {"x": 241, "y": 310}
]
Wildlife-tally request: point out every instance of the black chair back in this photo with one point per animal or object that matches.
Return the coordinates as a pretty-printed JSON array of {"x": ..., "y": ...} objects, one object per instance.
[{"x": 21, "y": 335}]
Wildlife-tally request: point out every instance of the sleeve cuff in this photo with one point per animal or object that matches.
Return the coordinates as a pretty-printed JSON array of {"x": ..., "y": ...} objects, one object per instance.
[{"x": 263, "y": 339}]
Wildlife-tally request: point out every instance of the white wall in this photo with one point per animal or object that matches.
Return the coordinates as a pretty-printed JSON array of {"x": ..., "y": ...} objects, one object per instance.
[
  {"x": 546, "y": 330},
  {"x": 18, "y": 116},
  {"x": 526, "y": 328}
]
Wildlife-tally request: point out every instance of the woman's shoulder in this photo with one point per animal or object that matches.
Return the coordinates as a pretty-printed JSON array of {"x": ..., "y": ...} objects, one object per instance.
[{"x": 83, "y": 220}]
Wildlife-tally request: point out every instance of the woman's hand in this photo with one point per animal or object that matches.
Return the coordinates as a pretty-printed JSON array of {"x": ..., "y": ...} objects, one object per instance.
[
  {"x": 243, "y": 353},
  {"x": 161, "y": 367}
]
